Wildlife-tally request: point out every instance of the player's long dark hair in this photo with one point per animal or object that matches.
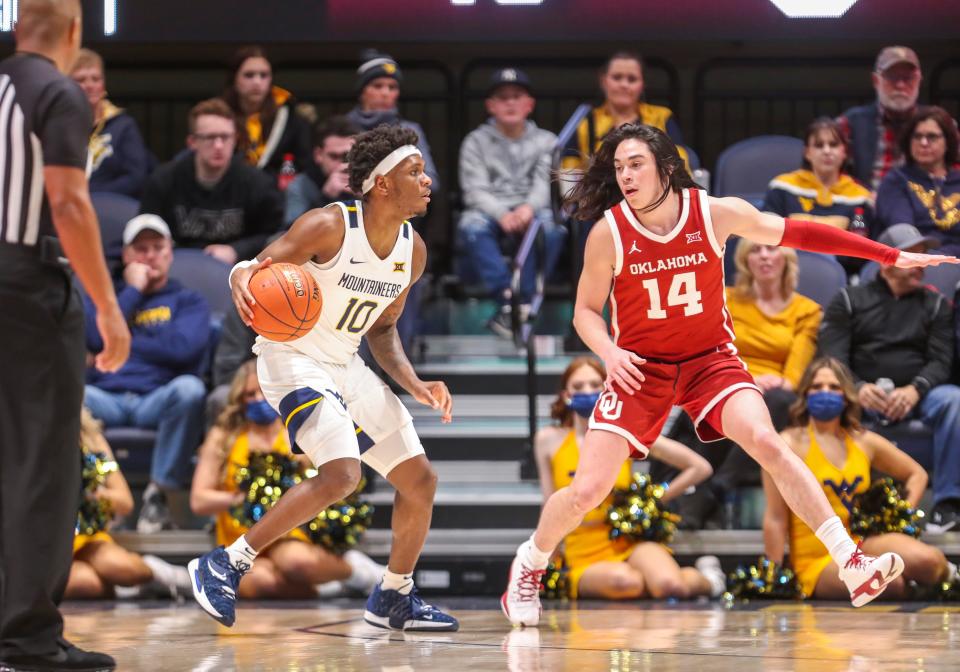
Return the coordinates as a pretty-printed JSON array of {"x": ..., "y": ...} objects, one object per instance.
[
  {"x": 373, "y": 147},
  {"x": 598, "y": 190}
]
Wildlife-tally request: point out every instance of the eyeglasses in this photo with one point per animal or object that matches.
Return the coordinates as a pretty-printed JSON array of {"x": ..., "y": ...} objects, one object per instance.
[
  {"x": 211, "y": 138},
  {"x": 339, "y": 158},
  {"x": 901, "y": 77},
  {"x": 927, "y": 137}
]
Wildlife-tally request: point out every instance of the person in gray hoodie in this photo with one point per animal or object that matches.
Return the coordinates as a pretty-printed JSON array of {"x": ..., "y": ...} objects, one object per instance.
[{"x": 505, "y": 180}]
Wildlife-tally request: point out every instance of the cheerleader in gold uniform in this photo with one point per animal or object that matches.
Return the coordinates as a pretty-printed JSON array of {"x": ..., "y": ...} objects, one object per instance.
[
  {"x": 292, "y": 567},
  {"x": 617, "y": 569},
  {"x": 829, "y": 439}
]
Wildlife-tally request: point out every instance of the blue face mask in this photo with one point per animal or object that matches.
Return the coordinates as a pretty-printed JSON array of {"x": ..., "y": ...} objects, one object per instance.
[
  {"x": 582, "y": 403},
  {"x": 260, "y": 412},
  {"x": 825, "y": 405}
]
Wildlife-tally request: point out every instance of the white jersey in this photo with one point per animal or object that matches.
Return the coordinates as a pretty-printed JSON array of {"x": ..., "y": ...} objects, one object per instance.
[{"x": 356, "y": 286}]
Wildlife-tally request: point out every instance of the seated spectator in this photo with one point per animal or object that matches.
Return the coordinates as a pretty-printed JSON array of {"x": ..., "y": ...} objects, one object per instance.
[
  {"x": 158, "y": 387},
  {"x": 292, "y": 567},
  {"x": 325, "y": 178},
  {"x": 896, "y": 328},
  {"x": 926, "y": 191},
  {"x": 118, "y": 161},
  {"x": 378, "y": 87},
  {"x": 618, "y": 569},
  {"x": 872, "y": 130},
  {"x": 211, "y": 200},
  {"x": 776, "y": 331},
  {"x": 821, "y": 191},
  {"x": 621, "y": 80},
  {"x": 505, "y": 181},
  {"x": 828, "y": 437},
  {"x": 101, "y": 567},
  {"x": 268, "y": 127}
]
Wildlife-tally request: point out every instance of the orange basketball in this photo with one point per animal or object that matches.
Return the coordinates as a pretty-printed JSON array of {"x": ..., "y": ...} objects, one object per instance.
[{"x": 287, "y": 304}]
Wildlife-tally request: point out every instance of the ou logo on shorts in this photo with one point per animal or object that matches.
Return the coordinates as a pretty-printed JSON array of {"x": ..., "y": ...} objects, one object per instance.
[{"x": 609, "y": 405}]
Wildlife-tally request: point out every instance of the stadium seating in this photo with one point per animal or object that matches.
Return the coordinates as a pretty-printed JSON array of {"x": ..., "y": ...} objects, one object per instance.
[{"x": 745, "y": 168}]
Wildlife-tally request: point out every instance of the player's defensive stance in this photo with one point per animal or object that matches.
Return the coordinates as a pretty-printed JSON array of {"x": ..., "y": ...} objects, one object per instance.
[
  {"x": 656, "y": 254},
  {"x": 364, "y": 256}
]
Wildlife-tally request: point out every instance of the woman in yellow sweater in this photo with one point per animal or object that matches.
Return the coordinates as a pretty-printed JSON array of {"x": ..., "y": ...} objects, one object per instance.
[
  {"x": 292, "y": 567},
  {"x": 828, "y": 437},
  {"x": 617, "y": 569}
]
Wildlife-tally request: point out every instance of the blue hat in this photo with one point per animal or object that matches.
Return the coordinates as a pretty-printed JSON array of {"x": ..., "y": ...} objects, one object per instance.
[
  {"x": 375, "y": 65},
  {"x": 505, "y": 76}
]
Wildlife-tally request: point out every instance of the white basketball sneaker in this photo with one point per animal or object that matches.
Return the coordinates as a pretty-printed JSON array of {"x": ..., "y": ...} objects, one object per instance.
[
  {"x": 521, "y": 601},
  {"x": 866, "y": 576}
]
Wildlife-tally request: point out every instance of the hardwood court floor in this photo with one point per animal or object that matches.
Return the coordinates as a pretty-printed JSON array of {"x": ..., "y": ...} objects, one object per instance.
[{"x": 332, "y": 637}]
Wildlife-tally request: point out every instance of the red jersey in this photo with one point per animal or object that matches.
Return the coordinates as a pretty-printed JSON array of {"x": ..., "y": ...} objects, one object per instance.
[{"x": 667, "y": 302}]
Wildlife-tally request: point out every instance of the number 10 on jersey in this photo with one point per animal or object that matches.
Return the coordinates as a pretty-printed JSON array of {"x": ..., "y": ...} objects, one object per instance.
[
  {"x": 356, "y": 315},
  {"x": 683, "y": 292}
]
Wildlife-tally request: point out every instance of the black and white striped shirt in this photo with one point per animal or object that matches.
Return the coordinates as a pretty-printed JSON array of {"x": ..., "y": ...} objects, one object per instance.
[{"x": 45, "y": 120}]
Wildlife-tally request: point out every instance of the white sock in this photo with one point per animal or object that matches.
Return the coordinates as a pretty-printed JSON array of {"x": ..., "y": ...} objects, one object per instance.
[
  {"x": 532, "y": 556},
  {"x": 951, "y": 572},
  {"x": 402, "y": 583},
  {"x": 834, "y": 536},
  {"x": 241, "y": 554}
]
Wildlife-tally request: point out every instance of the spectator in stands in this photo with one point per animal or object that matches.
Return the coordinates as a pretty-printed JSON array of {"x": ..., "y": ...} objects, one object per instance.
[
  {"x": 101, "y": 567},
  {"x": 118, "y": 161},
  {"x": 821, "y": 191},
  {"x": 268, "y": 127},
  {"x": 618, "y": 569},
  {"x": 378, "y": 86},
  {"x": 292, "y": 567},
  {"x": 895, "y": 328},
  {"x": 926, "y": 191},
  {"x": 325, "y": 178},
  {"x": 621, "y": 79},
  {"x": 872, "y": 129},
  {"x": 211, "y": 200},
  {"x": 158, "y": 388},
  {"x": 505, "y": 181},
  {"x": 828, "y": 437},
  {"x": 776, "y": 331}
]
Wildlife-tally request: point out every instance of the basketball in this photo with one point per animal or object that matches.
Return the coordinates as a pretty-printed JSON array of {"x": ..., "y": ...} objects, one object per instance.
[{"x": 287, "y": 304}]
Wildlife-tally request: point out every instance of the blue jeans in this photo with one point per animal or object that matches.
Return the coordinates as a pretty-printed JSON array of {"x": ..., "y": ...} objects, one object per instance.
[
  {"x": 175, "y": 410},
  {"x": 940, "y": 410},
  {"x": 481, "y": 238}
]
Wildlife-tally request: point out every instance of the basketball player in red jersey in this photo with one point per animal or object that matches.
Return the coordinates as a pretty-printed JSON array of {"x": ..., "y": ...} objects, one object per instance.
[{"x": 656, "y": 254}]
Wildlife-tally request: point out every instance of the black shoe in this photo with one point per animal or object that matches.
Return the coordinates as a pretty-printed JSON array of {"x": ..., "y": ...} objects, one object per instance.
[
  {"x": 154, "y": 514},
  {"x": 68, "y": 657},
  {"x": 945, "y": 517},
  {"x": 501, "y": 324}
]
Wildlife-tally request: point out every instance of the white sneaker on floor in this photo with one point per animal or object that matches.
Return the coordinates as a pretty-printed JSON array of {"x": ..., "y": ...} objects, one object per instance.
[
  {"x": 709, "y": 566},
  {"x": 866, "y": 577},
  {"x": 521, "y": 601},
  {"x": 173, "y": 577},
  {"x": 367, "y": 572}
]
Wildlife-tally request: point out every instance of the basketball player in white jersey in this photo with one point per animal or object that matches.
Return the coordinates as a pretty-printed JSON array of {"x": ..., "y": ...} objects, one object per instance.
[{"x": 364, "y": 256}]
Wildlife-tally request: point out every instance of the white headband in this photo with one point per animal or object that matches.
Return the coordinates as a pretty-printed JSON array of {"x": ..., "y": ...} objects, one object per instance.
[{"x": 390, "y": 161}]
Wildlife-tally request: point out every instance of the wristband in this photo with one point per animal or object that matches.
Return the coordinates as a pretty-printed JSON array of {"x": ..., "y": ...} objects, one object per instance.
[{"x": 240, "y": 264}]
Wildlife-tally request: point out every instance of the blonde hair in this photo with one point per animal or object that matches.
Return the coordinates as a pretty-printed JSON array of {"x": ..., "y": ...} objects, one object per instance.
[
  {"x": 87, "y": 58},
  {"x": 743, "y": 282},
  {"x": 90, "y": 430}
]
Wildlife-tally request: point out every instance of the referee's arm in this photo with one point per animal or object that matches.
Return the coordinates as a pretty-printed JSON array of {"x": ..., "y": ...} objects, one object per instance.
[{"x": 79, "y": 233}]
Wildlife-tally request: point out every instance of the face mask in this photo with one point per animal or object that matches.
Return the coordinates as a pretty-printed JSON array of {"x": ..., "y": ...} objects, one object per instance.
[
  {"x": 260, "y": 412},
  {"x": 825, "y": 405},
  {"x": 582, "y": 403}
]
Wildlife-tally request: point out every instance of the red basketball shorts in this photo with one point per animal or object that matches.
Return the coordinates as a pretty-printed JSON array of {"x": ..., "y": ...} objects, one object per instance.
[{"x": 701, "y": 386}]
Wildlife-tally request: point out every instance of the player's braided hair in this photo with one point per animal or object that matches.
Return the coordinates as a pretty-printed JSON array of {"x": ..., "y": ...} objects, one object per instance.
[
  {"x": 598, "y": 190},
  {"x": 372, "y": 147}
]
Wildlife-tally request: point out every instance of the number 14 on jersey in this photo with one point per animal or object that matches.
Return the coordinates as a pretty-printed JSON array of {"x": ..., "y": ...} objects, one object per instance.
[{"x": 683, "y": 292}]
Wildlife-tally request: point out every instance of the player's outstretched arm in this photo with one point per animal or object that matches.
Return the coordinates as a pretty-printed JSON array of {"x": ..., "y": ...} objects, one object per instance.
[
  {"x": 318, "y": 233},
  {"x": 387, "y": 349},
  {"x": 734, "y": 216},
  {"x": 592, "y": 293}
]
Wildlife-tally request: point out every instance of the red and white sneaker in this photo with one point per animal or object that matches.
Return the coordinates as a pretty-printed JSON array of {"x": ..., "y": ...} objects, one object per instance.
[
  {"x": 521, "y": 601},
  {"x": 866, "y": 576}
]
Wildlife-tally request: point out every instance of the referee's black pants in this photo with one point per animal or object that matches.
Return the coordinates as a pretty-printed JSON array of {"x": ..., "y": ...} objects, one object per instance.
[{"x": 42, "y": 358}]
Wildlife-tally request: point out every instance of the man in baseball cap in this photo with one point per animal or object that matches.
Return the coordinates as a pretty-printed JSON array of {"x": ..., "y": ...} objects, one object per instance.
[
  {"x": 896, "y": 79},
  {"x": 907, "y": 237}
]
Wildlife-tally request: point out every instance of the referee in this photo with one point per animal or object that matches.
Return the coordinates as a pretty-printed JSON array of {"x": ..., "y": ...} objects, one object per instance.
[{"x": 45, "y": 122}]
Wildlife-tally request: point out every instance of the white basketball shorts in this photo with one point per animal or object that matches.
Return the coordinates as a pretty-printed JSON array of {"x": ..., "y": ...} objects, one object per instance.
[{"x": 334, "y": 410}]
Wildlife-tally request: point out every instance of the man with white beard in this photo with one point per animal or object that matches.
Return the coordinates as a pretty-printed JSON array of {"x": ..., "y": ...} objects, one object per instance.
[{"x": 872, "y": 129}]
